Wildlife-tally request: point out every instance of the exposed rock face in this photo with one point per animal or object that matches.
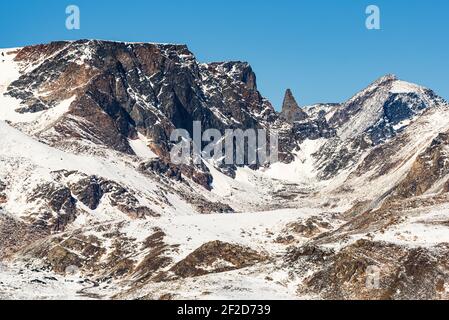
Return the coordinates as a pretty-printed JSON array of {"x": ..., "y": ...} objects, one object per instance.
[
  {"x": 309, "y": 228},
  {"x": 161, "y": 167},
  {"x": 156, "y": 259},
  {"x": 91, "y": 190},
  {"x": 109, "y": 255},
  {"x": 402, "y": 273},
  {"x": 15, "y": 234},
  {"x": 291, "y": 112},
  {"x": 198, "y": 173},
  {"x": 216, "y": 257},
  {"x": 57, "y": 204},
  {"x": 59, "y": 209},
  {"x": 150, "y": 88},
  {"x": 3, "y": 198},
  {"x": 429, "y": 168}
]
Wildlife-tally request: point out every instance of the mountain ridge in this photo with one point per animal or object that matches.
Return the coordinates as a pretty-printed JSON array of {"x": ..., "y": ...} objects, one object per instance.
[{"x": 86, "y": 181}]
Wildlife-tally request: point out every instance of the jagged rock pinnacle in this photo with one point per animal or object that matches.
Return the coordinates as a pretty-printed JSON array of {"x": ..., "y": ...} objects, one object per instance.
[{"x": 291, "y": 111}]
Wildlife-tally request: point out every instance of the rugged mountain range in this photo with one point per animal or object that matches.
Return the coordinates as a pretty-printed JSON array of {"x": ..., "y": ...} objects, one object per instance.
[{"x": 92, "y": 207}]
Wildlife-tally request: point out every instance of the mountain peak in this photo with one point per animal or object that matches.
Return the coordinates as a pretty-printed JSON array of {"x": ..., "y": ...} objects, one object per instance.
[
  {"x": 397, "y": 86},
  {"x": 386, "y": 79},
  {"x": 289, "y": 101},
  {"x": 291, "y": 111},
  {"x": 389, "y": 77}
]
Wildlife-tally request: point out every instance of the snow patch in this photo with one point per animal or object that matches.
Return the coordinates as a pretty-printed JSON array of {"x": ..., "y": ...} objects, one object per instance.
[
  {"x": 141, "y": 148},
  {"x": 400, "y": 86},
  {"x": 302, "y": 169}
]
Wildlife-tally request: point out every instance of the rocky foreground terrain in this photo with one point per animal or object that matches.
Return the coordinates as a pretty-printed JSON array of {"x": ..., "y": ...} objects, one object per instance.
[{"x": 91, "y": 207}]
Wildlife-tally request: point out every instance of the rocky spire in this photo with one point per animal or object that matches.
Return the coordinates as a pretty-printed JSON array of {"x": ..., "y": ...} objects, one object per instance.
[{"x": 291, "y": 111}]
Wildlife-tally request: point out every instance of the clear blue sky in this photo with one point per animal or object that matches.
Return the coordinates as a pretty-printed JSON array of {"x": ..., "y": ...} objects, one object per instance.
[{"x": 320, "y": 49}]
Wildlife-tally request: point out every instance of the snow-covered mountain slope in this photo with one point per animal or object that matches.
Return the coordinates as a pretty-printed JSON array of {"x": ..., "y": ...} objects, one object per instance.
[
  {"x": 91, "y": 206},
  {"x": 382, "y": 109},
  {"x": 380, "y": 132}
]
